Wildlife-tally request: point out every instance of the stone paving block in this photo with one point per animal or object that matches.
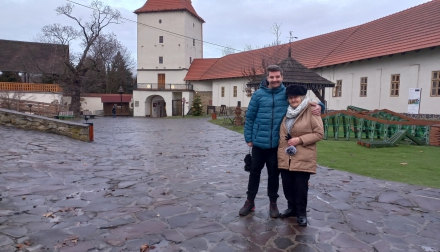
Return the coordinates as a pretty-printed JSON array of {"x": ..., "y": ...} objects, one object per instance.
[
  {"x": 283, "y": 243},
  {"x": 137, "y": 230},
  {"x": 5, "y": 240},
  {"x": 166, "y": 211},
  {"x": 302, "y": 248},
  {"x": 222, "y": 247},
  {"x": 346, "y": 241},
  {"x": 195, "y": 245},
  {"x": 182, "y": 220},
  {"x": 173, "y": 236},
  {"x": 14, "y": 231},
  {"x": 201, "y": 227}
]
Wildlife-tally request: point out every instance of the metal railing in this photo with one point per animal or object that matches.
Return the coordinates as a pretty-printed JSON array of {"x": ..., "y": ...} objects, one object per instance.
[
  {"x": 166, "y": 86},
  {"x": 30, "y": 87}
]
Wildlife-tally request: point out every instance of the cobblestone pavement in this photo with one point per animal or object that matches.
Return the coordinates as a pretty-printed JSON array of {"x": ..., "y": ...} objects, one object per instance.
[{"x": 178, "y": 184}]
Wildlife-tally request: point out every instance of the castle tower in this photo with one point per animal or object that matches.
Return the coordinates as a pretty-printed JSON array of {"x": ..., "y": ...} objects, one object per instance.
[{"x": 169, "y": 37}]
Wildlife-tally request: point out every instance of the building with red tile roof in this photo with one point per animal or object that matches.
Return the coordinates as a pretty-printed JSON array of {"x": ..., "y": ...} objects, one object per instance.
[
  {"x": 374, "y": 65},
  {"x": 362, "y": 60}
]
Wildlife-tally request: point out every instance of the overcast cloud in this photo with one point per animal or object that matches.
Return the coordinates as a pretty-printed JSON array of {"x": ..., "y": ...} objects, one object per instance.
[{"x": 228, "y": 22}]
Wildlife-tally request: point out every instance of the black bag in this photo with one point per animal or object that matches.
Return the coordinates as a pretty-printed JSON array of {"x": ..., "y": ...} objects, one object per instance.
[{"x": 248, "y": 161}]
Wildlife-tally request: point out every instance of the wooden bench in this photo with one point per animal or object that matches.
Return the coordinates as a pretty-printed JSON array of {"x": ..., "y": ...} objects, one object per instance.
[
  {"x": 65, "y": 115},
  {"x": 89, "y": 114}
]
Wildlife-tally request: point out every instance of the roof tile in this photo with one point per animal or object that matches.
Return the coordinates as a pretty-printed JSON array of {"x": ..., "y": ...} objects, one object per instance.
[{"x": 168, "y": 5}]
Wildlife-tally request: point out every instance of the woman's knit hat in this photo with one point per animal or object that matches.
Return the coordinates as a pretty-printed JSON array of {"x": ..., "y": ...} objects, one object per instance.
[{"x": 293, "y": 90}]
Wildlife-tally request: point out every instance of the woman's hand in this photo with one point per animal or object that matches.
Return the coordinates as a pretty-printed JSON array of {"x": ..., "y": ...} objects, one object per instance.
[{"x": 294, "y": 141}]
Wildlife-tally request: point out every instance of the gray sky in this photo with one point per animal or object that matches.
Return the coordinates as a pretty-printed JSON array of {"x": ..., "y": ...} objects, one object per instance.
[{"x": 228, "y": 22}]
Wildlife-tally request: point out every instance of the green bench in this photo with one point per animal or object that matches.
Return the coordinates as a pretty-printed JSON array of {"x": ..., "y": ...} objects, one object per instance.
[
  {"x": 392, "y": 141},
  {"x": 65, "y": 115}
]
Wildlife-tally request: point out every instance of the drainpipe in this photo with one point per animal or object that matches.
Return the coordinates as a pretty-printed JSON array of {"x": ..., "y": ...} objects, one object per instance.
[
  {"x": 352, "y": 79},
  {"x": 380, "y": 87}
]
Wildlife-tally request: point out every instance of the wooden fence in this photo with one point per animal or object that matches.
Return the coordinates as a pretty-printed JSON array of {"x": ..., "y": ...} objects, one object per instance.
[
  {"x": 38, "y": 108},
  {"x": 30, "y": 87}
]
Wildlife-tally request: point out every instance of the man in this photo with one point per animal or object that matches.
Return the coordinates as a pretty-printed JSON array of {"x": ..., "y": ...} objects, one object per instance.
[
  {"x": 265, "y": 112},
  {"x": 114, "y": 111}
]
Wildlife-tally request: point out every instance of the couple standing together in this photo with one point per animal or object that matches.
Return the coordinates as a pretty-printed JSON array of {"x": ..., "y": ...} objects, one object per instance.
[{"x": 282, "y": 127}]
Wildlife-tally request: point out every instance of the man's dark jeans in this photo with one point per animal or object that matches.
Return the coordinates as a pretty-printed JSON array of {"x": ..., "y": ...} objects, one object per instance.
[{"x": 260, "y": 157}]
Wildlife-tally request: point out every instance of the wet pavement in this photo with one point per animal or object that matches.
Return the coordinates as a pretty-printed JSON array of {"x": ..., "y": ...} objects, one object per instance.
[{"x": 177, "y": 185}]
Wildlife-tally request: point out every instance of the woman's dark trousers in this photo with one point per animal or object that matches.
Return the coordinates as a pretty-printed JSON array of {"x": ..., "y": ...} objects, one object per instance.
[
  {"x": 261, "y": 157},
  {"x": 296, "y": 188}
]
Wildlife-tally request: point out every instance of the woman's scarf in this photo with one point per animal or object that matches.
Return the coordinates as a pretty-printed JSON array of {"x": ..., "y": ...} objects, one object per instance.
[{"x": 293, "y": 113}]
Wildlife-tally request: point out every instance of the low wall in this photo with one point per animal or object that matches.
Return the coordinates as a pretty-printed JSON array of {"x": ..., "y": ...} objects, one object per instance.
[{"x": 25, "y": 121}]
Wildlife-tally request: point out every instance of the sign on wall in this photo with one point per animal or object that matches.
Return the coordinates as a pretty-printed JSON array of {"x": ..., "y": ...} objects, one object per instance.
[{"x": 414, "y": 100}]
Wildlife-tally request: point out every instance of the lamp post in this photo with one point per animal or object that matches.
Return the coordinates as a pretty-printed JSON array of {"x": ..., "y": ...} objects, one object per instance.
[
  {"x": 121, "y": 91},
  {"x": 30, "y": 108}
]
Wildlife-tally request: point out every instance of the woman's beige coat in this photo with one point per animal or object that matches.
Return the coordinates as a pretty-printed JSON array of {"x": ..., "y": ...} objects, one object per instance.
[{"x": 309, "y": 129}]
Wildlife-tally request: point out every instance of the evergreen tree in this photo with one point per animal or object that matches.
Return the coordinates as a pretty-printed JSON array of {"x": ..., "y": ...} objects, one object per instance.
[
  {"x": 119, "y": 75},
  {"x": 197, "y": 105}
]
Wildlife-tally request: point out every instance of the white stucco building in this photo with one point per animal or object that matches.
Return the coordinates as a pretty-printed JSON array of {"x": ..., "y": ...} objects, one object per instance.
[
  {"x": 169, "y": 39},
  {"x": 374, "y": 65}
]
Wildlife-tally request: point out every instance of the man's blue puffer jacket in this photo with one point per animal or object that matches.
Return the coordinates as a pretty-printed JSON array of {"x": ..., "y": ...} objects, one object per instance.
[{"x": 266, "y": 110}]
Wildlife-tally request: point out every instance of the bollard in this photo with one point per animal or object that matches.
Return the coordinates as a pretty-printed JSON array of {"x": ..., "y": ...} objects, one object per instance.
[{"x": 90, "y": 132}]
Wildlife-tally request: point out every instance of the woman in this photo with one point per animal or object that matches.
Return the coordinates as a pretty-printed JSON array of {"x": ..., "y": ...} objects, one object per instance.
[{"x": 299, "y": 132}]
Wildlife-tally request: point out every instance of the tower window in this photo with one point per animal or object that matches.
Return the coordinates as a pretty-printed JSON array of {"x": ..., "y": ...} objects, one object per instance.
[
  {"x": 160, "y": 39},
  {"x": 160, "y": 21},
  {"x": 190, "y": 60},
  {"x": 194, "y": 42},
  {"x": 160, "y": 60}
]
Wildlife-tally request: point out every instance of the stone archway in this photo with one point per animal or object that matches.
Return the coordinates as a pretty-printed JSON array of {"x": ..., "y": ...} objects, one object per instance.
[{"x": 155, "y": 106}]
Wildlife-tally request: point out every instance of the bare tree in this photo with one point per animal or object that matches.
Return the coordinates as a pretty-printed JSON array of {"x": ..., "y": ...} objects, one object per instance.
[
  {"x": 276, "y": 31},
  {"x": 228, "y": 50},
  {"x": 89, "y": 32},
  {"x": 57, "y": 34}
]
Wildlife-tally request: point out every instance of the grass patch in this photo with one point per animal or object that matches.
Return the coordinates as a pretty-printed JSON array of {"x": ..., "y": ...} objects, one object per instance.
[
  {"x": 187, "y": 116},
  {"x": 228, "y": 125},
  {"x": 410, "y": 164},
  {"x": 421, "y": 163}
]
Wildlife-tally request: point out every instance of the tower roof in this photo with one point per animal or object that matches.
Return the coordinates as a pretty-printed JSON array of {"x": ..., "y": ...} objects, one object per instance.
[{"x": 168, "y": 5}]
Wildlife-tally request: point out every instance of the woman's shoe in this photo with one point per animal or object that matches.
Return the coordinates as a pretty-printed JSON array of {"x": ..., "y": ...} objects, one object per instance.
[
  {"x": 289, "y": 212},
  {"x": 302, "y": 221}
]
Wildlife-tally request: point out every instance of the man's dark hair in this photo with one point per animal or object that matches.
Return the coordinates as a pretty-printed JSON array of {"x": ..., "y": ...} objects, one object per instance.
[{"x": 274, "y": 68}]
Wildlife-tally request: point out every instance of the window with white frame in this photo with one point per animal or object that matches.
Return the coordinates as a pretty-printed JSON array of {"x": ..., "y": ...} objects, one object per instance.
[
  {"x": 223, "y": 92},
  {"x": 235, "y": 92},
  {"x": 337, "y": 90},
  {"x": 160, "y": 60},
  {"x": 395, "y": 85},
  {"x": 364, "y": 82},
  {"x": 160, "y": 39}
]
